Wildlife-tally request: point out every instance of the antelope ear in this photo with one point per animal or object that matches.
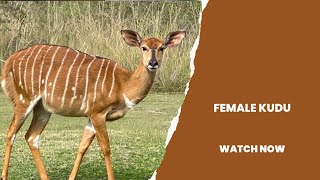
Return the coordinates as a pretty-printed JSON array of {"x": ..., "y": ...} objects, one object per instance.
[
  {"x": 132, "y": 38},
  {"x": 174, "y": 38}
]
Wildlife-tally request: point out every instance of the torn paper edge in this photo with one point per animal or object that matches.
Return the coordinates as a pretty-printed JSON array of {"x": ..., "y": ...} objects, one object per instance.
[{"x": 175, "y": 120}]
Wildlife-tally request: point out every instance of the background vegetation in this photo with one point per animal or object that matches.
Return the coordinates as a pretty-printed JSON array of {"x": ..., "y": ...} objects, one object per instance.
[{"x": 94, "y": 27}]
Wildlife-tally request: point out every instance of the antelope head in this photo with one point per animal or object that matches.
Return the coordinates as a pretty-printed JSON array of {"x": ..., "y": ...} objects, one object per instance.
[{"x": 152, "y": 48}]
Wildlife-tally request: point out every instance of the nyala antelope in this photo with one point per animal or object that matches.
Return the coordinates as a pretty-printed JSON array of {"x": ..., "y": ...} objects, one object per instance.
[{"x": 50, "y": 79}]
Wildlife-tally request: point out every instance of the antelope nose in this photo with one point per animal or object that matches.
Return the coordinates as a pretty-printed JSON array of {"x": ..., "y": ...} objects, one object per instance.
[{"x": 153, "y": 64}]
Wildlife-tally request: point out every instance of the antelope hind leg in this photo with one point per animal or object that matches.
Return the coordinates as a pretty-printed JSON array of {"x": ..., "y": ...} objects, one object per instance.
[{"x": 20, "y": 114}]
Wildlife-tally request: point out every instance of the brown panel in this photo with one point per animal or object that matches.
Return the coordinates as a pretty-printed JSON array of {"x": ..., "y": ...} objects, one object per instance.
[{"x": 251, "y": 52}]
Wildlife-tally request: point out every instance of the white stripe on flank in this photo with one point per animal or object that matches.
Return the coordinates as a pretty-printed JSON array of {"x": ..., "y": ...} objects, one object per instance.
[
  {"x": 32, "y": 72},
  {"x": 25, "y": 69},
  {"x": 40, "y": 72},
  {"x": 76, "y": 83},
  {"x": 86, "y": 89},
  {"x": 48, "y": 73},
  {"x": 112, "y": 79},
  {"x": 14, "y": 61},
  {"x": 20, "y": 74},
  {"x": 55, "y": 79},
  {"x": 104, "y": 79},
  {"x": 95, "y": 87},
  {"x": 68, "y": 76},
  {"x": 20, "y": 82}
]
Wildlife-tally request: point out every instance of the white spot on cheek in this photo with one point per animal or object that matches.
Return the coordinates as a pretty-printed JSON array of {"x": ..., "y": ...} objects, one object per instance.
[
  {"x": 13, "y": 138},
  {"x": 42, "y": 81},
  {"x": 73, "y": 88},
  {"x": 50, "y": 84}
]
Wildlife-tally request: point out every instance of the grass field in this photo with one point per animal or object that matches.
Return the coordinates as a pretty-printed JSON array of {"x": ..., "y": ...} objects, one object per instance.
[{"x": 137, "y": 142}]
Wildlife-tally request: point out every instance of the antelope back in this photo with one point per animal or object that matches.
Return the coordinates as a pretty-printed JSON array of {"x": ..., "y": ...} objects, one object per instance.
[{"x": 68, "y": 81}]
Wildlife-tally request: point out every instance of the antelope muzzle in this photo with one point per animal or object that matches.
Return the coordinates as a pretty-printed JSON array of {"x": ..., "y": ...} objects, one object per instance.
[{"x": 153, "y": 63}]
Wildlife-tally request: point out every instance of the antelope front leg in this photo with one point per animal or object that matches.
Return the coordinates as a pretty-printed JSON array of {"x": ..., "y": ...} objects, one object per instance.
[
  {"x": 32, "y": 137},
  {"x": 99, "y": 124},
  {"x": 39, "y": 122},
  {"x": 87, "y": 137}
]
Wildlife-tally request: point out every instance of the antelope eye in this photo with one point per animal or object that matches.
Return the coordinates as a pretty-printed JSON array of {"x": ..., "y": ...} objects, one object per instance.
[
  {"x": 144, "y": 48},
  {"x": 161, "y": 49}
]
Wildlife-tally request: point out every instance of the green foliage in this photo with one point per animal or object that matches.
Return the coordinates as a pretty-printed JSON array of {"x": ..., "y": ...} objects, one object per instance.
[{"x": 94, "y": 27}]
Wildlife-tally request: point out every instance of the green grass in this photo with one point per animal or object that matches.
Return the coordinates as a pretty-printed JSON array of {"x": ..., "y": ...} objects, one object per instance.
[{"x": 137, "y": 142}]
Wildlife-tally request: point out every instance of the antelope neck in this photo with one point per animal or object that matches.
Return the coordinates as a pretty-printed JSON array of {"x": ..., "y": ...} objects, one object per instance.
[{"x": 139, "y": 83}]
